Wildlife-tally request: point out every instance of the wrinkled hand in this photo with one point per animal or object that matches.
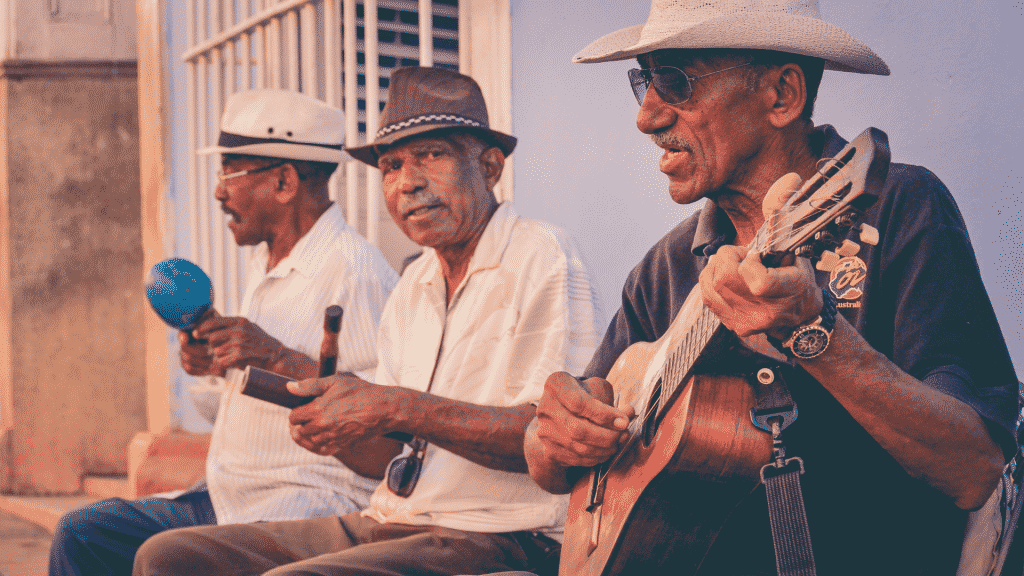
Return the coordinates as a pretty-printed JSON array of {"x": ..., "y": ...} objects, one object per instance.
[
  {"x": 196, "y": 358},
  {"x": 750, "y": 299},
  {"x": 235, "y": 342},
  {"x": 576, "y": 423},
  {"x": 347, "y": 411}
]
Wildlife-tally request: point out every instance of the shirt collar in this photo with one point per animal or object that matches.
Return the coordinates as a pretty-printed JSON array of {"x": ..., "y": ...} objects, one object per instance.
[
  {"x": 489, "y": 250},
  {"x": 305, "y": 257},
  {"x": 713, "y": 225}
]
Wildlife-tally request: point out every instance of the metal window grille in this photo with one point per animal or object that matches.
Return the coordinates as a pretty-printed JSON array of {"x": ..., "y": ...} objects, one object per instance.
[{"x": 324, "y": 48}]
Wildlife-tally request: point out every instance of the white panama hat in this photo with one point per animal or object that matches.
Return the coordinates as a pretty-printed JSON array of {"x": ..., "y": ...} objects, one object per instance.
[
  {"x": 280, "y": 124},
  {"x": 793, "y": 26}
]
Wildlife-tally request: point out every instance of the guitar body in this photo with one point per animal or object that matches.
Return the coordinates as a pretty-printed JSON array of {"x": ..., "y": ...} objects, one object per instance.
[{"x": 665, "y": 499}]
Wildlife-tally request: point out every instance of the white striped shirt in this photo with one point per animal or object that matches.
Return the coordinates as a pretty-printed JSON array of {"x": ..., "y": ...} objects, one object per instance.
[
  {"x": 254, "y": 470},
  {"x": 525, "y": 309}
]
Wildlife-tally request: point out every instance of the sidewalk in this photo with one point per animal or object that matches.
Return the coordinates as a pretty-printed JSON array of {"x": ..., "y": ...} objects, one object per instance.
[
  {"x": 25, "y": 528},
  {"x": 24, "y": 547}
]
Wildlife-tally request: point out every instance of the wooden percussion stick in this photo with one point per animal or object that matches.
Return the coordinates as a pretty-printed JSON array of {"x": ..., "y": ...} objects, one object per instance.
[{"x": 329, "y": 346}]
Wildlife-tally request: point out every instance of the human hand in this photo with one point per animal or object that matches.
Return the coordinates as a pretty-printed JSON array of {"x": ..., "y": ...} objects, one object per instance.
[
  {"x": 576, "y": 422},
  {"x": 196, "y": 358},
  {"x": 750, "y": 299},
  {"x": 236, "y": 342},
  {"x": 347, "y": 410}
]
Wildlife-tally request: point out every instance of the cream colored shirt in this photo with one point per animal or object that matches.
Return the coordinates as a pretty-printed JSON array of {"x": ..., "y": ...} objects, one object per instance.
[
  {"x": 254, "y": 470},
  {"x": 525, "y": 309}
]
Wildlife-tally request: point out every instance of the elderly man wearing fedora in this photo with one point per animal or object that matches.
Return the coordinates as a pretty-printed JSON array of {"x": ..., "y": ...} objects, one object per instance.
[
  {"x": 278, "y": 150},
  {"x": 905, "y": 388},
  {"x": 467, "y": 338}
]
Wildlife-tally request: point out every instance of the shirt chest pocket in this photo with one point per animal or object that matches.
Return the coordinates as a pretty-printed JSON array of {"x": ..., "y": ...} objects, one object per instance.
[
  {"x": 478, "y": 352},
  {"x": 480, "y": 332}
]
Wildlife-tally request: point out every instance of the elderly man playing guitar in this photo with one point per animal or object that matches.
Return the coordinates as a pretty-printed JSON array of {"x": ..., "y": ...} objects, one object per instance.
[{"x": 905, "y": 389}]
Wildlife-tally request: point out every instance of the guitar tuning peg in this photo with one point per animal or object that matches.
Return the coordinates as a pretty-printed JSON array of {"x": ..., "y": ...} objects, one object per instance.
[
  {"x": 868, "y": 235},
  {"x": 828, "y": 261},
  {"x": 849, "y": 248}
]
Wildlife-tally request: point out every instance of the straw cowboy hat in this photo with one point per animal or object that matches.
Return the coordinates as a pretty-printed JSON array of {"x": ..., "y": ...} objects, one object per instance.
[
  {"x": 280, "y": 124},
  {"x": 426, "y": 99},
  {"x": 793, "y": 26}
]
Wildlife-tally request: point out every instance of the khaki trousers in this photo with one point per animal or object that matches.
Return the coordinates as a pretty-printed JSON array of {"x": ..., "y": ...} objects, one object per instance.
[{"x": 331, "y": 546}]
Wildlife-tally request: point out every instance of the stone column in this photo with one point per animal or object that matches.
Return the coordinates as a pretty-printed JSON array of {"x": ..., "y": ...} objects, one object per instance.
[{"x": 72, "y": 357}]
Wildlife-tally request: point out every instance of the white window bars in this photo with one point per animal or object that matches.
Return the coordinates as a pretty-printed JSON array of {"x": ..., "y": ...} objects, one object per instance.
[{"x": 324, "y": 48}]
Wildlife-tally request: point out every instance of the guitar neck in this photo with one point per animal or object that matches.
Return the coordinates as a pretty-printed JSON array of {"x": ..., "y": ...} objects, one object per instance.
[
  {"x": 682, "y": 359},
  {"x": 686, "y": 353}
]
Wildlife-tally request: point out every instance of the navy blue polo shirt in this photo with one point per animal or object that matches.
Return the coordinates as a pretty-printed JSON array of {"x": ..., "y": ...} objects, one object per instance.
[{"x": 916, "y": 297}]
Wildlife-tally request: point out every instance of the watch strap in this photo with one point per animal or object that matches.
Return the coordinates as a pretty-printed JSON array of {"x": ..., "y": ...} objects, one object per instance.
[
  {"x": 826, "y": 319},
  {"x": 829, "y": 309}
]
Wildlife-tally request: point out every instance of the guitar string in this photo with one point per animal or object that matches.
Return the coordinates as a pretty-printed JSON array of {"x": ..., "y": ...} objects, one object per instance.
[
  {"x": 822, "y": 178},
  {"x": 784, "y": 228}
]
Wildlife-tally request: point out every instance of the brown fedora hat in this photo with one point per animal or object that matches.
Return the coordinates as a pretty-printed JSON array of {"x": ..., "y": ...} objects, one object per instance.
[{"x": 426, "y": 99}]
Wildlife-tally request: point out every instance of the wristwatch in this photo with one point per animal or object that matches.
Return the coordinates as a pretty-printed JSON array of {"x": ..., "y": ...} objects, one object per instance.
[{"x": 811, "y": 340}]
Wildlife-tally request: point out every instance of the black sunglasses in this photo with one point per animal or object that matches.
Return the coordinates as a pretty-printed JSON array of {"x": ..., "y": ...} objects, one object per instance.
[
  {"x": 403, "y": 473},
  {"x": 672, "y": 84}
]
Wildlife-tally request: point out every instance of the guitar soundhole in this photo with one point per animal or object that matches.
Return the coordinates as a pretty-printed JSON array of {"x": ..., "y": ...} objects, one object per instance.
[{"x": 650, "y": 429}]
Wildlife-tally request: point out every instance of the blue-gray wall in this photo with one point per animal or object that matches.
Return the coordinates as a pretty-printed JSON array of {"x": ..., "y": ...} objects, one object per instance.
[{"x": 952, "y": 104}]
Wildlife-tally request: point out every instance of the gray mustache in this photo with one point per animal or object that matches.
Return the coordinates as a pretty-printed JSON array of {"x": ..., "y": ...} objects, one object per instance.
[
  {"x": 418, "y": 200},
  {"x": 666, "y": 140}
]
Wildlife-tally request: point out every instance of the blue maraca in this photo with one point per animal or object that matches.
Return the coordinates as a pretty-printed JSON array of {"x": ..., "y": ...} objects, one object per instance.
[{"x": 179, "y": 292}]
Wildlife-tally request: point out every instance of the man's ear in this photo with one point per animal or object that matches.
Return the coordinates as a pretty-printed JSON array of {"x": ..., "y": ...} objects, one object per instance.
[
  {"x": 786, "y": 89},
  {"x": 287, "y": 184},
  {"x": 493, "y": 162}
]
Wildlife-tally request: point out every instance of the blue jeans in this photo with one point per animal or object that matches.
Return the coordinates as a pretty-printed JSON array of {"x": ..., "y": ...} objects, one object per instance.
[{"x": 101, "y": 538}]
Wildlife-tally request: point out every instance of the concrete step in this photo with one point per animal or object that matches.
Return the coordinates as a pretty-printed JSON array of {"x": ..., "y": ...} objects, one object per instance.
[
  {"x": 106, "y": 486},
  {"x": 42, "y": 510}
]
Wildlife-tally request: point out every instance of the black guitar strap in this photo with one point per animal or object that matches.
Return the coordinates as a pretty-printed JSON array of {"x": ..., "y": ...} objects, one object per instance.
[{"x": 775, "y": 410}]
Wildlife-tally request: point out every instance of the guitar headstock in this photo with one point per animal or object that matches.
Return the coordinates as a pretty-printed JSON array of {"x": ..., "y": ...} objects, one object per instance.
[{"x": 814, "y": 220}]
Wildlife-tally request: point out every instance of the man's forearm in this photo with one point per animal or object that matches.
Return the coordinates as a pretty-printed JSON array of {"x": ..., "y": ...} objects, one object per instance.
[
  {"x": 934, "y": 436},
  {"x": 491, "y": 436}
]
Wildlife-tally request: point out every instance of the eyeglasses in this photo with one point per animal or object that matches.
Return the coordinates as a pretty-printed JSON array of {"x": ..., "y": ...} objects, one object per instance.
[
  {"x": 672, "y": 84},
  {"x": 403, "y": 473},
  {"x": 221, "y": 176}
]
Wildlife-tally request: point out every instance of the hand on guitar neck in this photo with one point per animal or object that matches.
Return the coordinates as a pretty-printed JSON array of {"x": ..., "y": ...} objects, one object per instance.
[
  {"x": 577, "y": 426},
  {"x": 751, "y": 298}
]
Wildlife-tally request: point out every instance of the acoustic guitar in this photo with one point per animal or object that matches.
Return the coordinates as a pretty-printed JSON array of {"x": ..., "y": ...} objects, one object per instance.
[{"x": 693, "y": 452}]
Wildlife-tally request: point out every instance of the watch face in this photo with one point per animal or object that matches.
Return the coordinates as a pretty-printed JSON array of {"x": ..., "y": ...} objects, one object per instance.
[{"x": 810, "y": 342}]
